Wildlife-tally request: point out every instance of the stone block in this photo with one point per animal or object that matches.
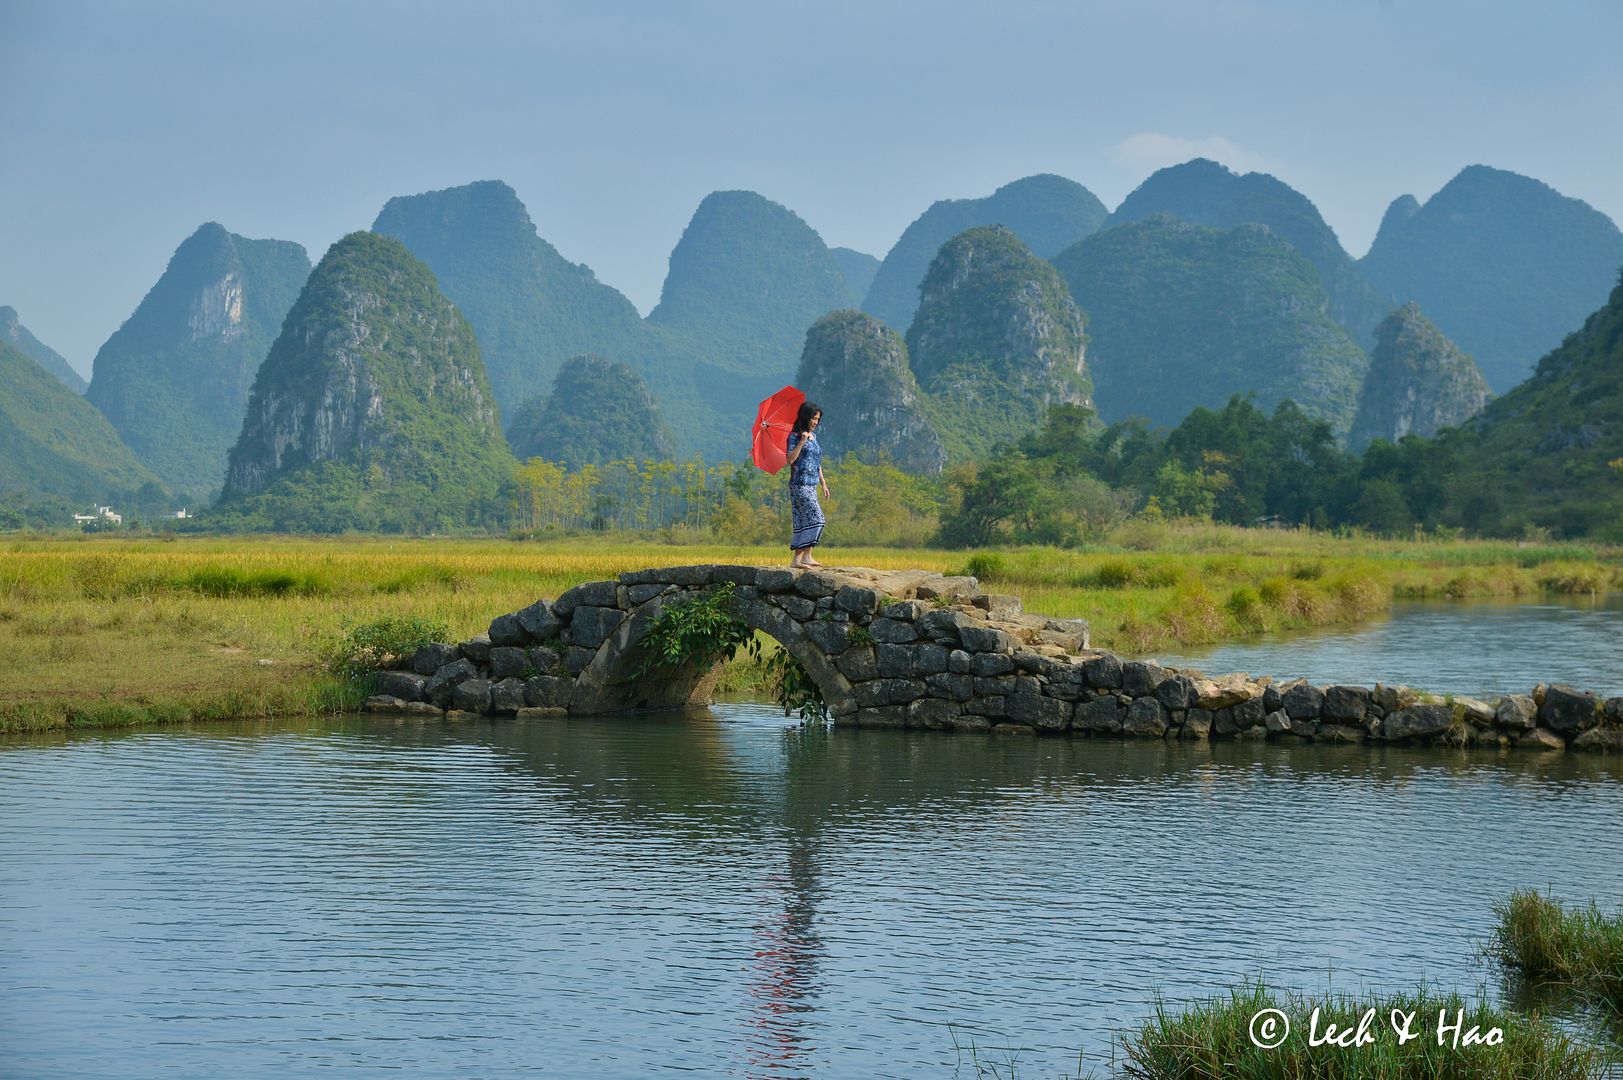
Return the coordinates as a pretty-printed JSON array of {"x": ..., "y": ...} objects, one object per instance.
[
  {"x": 892, "y": 631},
  {"x": 1145, "y": 716},
  {"x": 471, "y": 696},
  {"x": 507, "y": 630},
  {"x": 988, "y": 664},
  {"x": 816, "y": 583},
  {"x": 992, "y": 706},
  {"x": 1140, "y": 678},
  {"x": 1103, "y": 672},
  {"x": 933, "y": 713},
  {"x": 799, "y": 608},
  {"x": 430, "y": 658},
  {"x": 1013, "y": 729},
  {"x": 872, "y": 693},
  {"x": 1042, "y": 712},
  {"x": 894, "y": 661},
  {"x": 590, "y": 626},
  {"x": 477, "y": 649},
  {"x": 829, "y": 636},
  {"x": 886, "y": 716},
  {"x": 965, "y": 722},
  {"x": 439, "y": 686},
  {"x": 998, "y": 605},
  {"x": 1177, "y": 692},
  {"x": 1345, "y": 703},
  {"x": 423, "y": 709},
  {"x": 1516, "y": 711},
  {"x": 905, "y": 610},
  {"x": 738, "y": 575},
  {"x": 1608, "y": 739},
  {"x": 1340, "y": 733},
  {"x": 948, "y": 685},
  {"x": 507, "y": 662},
  {"x": 387, "y": 704},
  {"x": 942, "y": 624},
  {"x": 1302, "y": 701},
  {"x": 548, "y": 691},
  {"x": 986, "y": 639},
  {"x": 947, "y": 588},
  {"x": 546, "y": 661},
  {"x": 929, "y": 659},
  {"x": 577, "y": 659},
  {"x": 858, "y": 664},
  {"x": 591, "y": 594},
  {"x": 462, "y": 716},
  {"x": 900, "y": 691},
  {"x": 1418, "y": 721},
  {"x": 507, "y": 696},
  {"x": 775, "y": 580},
  {"x": 1197, "y": 724},
  {"x": 637, "y": 595},
  {"x": 539, "y": 621},
  {"x": 958, "y": 661},
  {"x": 1072, "y": 635},
  {"x": 541, "y": 712},
  {"x": 1566, "y": 711},
  {"x": 405, "y": 685},
  {"x": 1102, "y": 715},
  {"x": 1542, "y": 739},
  {"x": 858, "y": 600},
  {"x": 1001, "y": 684}
]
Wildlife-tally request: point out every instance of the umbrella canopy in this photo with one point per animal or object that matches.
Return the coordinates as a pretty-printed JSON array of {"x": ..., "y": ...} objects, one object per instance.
[{"x": 773, "y": 422}]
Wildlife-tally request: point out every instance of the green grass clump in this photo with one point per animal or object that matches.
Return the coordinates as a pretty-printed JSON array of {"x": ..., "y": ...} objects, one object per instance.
[
  {"x": 1212, "y": 1040},
  {"x": 381, "y": 643},
  {"x": 1580, "y": 949}
]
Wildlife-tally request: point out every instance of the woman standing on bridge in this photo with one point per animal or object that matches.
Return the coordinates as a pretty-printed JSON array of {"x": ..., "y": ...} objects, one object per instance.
[{"x": 805, "y": 476}]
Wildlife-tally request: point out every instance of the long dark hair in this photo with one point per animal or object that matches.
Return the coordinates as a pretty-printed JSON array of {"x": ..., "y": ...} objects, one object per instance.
[{"x": 803, "y": 418}]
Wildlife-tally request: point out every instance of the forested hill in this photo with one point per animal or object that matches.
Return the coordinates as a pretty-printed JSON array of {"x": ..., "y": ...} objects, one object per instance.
[
  {"x": 373, "y": 411},
  {"x": 1205, "y": 193},
  {"x": 174, "y": 379},
  {"x": 1182, "y": 316},
  {"x": 1047, "y": 212},
  {"x": 531, "y": 308},
  {"x": 15, "y": 334},
  {"x": 1504, "y": 265},
  {"x": 57, "y": 453}
]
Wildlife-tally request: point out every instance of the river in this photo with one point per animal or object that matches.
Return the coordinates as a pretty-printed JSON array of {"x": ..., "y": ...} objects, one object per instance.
[{"x": 729, "y": 894}]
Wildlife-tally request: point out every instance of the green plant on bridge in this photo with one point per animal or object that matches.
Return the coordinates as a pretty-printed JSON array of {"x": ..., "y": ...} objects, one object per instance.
[{"x": 705, "y": 630}]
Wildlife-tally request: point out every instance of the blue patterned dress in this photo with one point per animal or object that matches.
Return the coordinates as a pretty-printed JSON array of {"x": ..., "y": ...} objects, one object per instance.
[{"x": 805, "y": 512}]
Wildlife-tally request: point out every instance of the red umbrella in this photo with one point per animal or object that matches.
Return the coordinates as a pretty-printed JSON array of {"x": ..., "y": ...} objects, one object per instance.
[{"x": 773, "y": 422}]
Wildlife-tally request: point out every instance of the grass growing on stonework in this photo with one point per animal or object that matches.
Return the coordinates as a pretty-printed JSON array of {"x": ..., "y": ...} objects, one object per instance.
[
  {"x": 106, "y": 630},
  {"x": 1212, "y": 1040},
  {"x": 1577, "y": 949}
]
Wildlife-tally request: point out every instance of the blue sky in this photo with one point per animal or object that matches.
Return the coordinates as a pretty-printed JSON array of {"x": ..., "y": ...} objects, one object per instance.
[{"x": 126, "y": 125}]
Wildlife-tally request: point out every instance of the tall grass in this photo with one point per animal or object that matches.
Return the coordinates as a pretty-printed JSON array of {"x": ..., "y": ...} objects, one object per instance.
[
  {"x": 1213, "y": 1040},
  {"x": 1579, "y": 949}
]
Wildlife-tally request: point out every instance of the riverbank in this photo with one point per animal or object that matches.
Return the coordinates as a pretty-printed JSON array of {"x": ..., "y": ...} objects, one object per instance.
[{"x": 106, "y": 632}]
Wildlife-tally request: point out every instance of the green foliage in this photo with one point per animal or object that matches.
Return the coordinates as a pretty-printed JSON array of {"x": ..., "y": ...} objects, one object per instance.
[
  {"x": 702, "y": 629},
  {"x": 794, "y": 687},
  {"x": 15, "y": 334},
  {"x": 984, "y": 566},
  {"x": 225, "y": 581},
  {"x": 1503, "y": 264},
  {"x": 381, "y": 643},
  {"x": 1182, "y": 316},
  {"x": 174, "y": 380},
  {"x": 1047, "y": 212}
]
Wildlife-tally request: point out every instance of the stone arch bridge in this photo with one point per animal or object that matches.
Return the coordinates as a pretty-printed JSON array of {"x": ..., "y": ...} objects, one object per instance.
[{"x": 916, "y": 649}]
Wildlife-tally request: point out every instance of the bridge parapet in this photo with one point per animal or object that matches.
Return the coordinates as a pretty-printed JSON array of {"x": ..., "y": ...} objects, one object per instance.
[{"x": 917, "y": 649}]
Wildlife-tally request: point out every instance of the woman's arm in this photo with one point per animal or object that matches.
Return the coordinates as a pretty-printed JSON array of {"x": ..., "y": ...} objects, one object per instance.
[{"x": 799, "y": 447}]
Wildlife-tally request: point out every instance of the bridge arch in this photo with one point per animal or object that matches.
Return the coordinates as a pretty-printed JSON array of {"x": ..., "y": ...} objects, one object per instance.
[{"x": 609, "y": 683}]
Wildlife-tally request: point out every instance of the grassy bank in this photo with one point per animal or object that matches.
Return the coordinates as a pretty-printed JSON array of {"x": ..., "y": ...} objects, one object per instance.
[{"x": 101, "y": 631}]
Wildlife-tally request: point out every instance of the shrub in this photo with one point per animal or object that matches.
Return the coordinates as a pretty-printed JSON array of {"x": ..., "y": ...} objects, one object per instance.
[{"x": 381, "y": 643}]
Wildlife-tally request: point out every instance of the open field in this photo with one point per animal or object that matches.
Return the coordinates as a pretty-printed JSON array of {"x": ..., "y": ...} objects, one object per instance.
[{"x": 101, "y": 631}]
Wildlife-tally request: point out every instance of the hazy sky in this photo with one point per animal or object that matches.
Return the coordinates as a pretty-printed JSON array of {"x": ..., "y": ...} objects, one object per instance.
[{"x": 123, "y": 126}]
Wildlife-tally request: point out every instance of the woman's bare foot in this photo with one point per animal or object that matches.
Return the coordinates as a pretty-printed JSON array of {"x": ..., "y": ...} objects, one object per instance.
[{"x": 811, "y": 562}]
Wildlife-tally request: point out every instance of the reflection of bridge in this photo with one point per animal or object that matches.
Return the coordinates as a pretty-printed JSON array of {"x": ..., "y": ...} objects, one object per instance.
[{"x": 912, "y": 648}]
